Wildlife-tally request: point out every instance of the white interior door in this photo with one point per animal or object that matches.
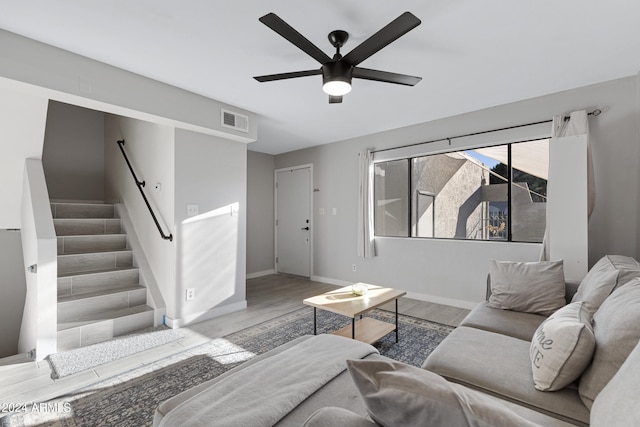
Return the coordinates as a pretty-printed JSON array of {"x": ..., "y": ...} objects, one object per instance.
[{"x": 293, "y": 221}]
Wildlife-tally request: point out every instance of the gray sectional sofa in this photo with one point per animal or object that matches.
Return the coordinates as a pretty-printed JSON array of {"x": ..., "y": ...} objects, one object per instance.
[{"x": 537, "y": 352}]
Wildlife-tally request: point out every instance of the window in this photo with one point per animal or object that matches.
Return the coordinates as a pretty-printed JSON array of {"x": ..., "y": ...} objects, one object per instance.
[
  {"x": 391, "y": 196},
  {"x": 493, "y": 193}
]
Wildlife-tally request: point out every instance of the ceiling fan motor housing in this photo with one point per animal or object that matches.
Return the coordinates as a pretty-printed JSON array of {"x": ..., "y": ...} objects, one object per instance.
[{"x": 336, "y": 71}]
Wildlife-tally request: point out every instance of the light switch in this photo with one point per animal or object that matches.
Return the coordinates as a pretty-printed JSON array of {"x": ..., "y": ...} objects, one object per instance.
[
  {"x": 321, "y": 211},
  {"x": 334, "y": 211}
]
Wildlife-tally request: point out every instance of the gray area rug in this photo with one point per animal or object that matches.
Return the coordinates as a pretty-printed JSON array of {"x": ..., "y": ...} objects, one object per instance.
[
  {"x": 80, "y": 359},
  {"x": 130, "y": 399}
]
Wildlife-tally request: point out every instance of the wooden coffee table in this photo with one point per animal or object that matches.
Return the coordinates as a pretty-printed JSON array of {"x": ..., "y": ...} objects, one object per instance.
[{"x": 342, "y": 301}]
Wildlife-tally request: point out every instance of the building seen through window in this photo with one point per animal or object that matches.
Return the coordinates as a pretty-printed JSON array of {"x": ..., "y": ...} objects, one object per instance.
[{"x": 493, "y": 193}]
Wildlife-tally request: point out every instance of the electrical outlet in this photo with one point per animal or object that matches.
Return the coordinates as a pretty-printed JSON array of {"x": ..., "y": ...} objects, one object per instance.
[
  {"x": 191, "y": 294},
  {"x": 354, "y": 267}
]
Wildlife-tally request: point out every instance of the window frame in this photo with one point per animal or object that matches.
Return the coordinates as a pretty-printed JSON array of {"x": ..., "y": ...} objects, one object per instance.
[{"x": 410, "y": 197}]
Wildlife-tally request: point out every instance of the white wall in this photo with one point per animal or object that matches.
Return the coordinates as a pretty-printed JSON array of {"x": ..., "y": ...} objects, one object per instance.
[
  {"x": 74, "y": 79},
  {"x": 211, "y": 173},
  {"x": 22, "y": 126},
  {"x": 12, "y": 291},
  {"x": 38, "y": 330},
  {"x": 73, "y": 155},
  {"x": 454, "y": 272},
  {"x": 150, "y": 148},
  {"x": 260, "y": 243}
]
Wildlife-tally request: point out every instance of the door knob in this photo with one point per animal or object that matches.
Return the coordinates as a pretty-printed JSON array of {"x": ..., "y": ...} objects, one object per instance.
[{"x": 305, "y": 228}]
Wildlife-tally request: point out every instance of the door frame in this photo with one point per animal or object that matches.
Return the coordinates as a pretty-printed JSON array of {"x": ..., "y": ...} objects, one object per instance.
[{"x": 275, "y": 212}]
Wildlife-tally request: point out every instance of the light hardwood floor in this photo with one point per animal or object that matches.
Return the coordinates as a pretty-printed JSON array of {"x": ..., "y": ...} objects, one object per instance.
[{"x": 267, "y": 298}]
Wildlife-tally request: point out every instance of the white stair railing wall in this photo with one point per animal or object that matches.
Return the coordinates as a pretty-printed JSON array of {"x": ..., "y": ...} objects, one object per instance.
[{"x": 38, "y": 333}]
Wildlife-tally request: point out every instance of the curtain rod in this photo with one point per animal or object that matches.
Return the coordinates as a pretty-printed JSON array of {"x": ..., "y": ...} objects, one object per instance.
[{"x": 594, "y": 113}]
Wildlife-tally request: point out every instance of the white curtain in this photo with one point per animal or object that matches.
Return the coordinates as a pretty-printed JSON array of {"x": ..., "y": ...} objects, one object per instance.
[
  {"x": 366, "y": 247},
  {"x": 562, "y": 131}
]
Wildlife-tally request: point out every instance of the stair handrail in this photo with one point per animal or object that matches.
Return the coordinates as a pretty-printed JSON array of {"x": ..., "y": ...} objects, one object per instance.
[{"x": 141, "y": 184}]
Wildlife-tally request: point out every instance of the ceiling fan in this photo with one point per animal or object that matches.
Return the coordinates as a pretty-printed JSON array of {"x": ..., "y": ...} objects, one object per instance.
[{"x": 338, "y": 71}]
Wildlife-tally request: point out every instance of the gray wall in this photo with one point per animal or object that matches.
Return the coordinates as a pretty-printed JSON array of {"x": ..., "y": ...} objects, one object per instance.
[
  {"x": 431, "y": 268},
  {"x": 637, "y": 120},
  {"x": 260, "y": 220},
  {"x": 73, "y": 153},
  {"x": 13, "y": 289},
  {"x": 210, "y": 172}
]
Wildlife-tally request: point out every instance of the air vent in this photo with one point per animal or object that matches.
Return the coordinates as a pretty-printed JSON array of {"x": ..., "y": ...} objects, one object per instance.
[{"x": 235, "y": 121}]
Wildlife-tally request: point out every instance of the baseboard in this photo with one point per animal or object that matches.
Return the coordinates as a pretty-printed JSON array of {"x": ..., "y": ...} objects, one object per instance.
[
  {"x": 468, "y": 305},
  {"x": 260, "y": 274},
  {"x": 331, "y": 281},
  {"x": 204, "y": 315}
]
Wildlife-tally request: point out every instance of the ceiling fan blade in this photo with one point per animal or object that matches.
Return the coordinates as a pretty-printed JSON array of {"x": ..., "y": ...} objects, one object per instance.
[
  {"x": 335, "y": 99},
  {"x": 276, "y": 23},
  {"x": 391, "y": 32},
  {"x": 385, "y": 76},
  {"x": 292, "y": 75}
]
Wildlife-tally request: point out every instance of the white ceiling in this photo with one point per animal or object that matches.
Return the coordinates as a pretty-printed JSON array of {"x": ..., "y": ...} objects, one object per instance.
[{"x": 471, "y": 54}]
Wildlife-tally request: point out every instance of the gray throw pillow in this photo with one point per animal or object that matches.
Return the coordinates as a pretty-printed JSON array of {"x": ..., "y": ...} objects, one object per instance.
[
  {"x": 617, "y": 403},
  {"x": 609, "y": 273},
  {"x": 398, "y": 395},
  {"x": 562, "y": 347},
  {"x": 529, "y": 287},
  {"x": 615, "y": 326}
]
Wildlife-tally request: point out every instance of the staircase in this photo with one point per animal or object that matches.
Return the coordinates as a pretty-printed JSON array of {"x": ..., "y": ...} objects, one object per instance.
[{"x": 99, "y": 291}]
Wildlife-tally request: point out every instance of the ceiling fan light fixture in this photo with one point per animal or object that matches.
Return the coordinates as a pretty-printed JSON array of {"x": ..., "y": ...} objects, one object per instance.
[
  {"x": 336, "y": 78},
  {"x": 336, "y": 87}
]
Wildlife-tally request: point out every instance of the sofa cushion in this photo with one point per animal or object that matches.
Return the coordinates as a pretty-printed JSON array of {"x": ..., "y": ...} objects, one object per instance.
[
  {"x": 338, "y": 392},
  {"x": 615, "y": 326},
  {"x": 397, "y": 394},
  {"x": 507, "y": 322},
  {"x": 617, "y": 403},
  {"x": 530, "y": 287},
  {"x": 609, "y": 273},
  {"x": 562, "y": 347},
  {"x": 500, "y": 365}
]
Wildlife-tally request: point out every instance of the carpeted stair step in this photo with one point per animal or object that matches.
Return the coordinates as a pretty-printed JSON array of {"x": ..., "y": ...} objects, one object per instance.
[
  {"x": 100, "y": 327},
  {"x": 91, "y": 243},
  {"x": 80, "y": 306},
  {"x": 92, "y": 262},
  {"x": 83, "y": 282}
]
